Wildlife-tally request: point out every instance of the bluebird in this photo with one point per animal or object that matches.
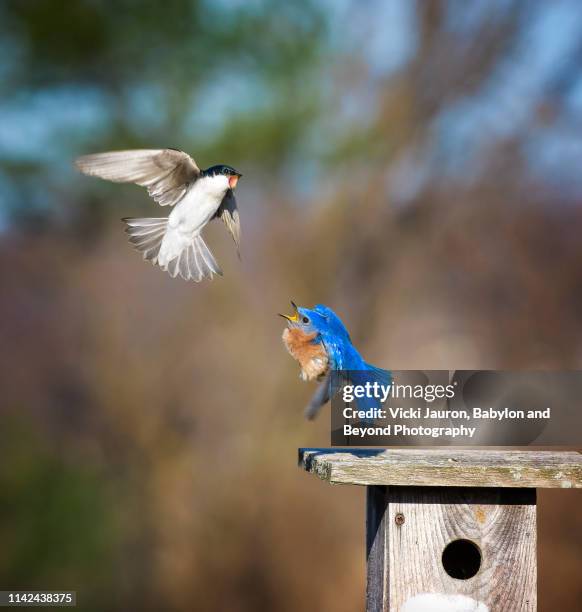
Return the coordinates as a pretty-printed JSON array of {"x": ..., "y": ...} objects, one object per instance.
[
  {"x": 321, "y": 344},
  {"x": 172, "y": 178}
]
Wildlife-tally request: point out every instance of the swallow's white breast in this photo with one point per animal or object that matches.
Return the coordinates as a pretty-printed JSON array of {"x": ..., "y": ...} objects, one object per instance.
[{"x": 199, "y": 204}]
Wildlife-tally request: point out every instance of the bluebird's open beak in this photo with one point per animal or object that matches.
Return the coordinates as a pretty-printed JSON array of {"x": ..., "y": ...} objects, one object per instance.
[{"x": 294, "y": 317}]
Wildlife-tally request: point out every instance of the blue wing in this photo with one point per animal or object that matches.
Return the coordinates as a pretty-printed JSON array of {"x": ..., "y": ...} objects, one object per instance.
[{"x": 371, "y": 374}]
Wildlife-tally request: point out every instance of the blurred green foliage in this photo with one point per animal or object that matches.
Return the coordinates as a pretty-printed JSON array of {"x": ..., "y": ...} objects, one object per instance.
[
  {"x": 171, "y": 51},
  {"x": 57, "y": 519}
]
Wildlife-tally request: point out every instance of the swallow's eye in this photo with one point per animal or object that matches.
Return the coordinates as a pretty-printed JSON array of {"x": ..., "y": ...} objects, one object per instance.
[{"x": 305, "y": 320}]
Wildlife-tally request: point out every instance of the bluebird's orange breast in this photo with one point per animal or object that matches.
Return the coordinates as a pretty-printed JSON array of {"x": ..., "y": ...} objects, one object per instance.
[{"x": 311, "y": 357}]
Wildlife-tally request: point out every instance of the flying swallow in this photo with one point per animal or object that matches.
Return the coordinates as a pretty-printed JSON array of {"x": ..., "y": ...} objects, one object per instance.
[{"x": 172, "y": 178}]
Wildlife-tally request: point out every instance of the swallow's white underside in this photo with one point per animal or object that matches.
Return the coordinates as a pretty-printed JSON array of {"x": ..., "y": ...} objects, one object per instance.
[{"x": 191, "y": 215}]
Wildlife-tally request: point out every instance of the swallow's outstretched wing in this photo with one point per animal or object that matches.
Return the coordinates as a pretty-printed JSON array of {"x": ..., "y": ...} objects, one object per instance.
[
  {"x": 167, "y": 173},
  {"x": 228, "y": 212}
]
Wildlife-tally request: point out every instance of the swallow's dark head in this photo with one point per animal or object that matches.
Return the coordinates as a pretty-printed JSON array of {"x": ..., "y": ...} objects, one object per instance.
[{"x": 228, "y": 171}]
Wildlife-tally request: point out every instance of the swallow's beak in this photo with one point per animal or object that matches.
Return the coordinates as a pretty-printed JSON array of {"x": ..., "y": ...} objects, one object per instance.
[
  {"x": 233, "y": 180},
  {"x": 294, "y": 317}
]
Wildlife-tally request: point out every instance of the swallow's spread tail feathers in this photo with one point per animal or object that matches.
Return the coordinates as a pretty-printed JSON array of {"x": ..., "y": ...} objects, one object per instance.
[
  {"x": 146, "y": 235},
  {"x": 173, "y": 251}
]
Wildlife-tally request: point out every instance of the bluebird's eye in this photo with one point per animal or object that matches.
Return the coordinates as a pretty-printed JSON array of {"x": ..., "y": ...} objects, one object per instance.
[{"x": 305, "y": 320}]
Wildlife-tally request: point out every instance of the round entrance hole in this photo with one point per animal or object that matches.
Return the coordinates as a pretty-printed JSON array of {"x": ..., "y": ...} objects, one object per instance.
[{"x": 461, "y": 559}]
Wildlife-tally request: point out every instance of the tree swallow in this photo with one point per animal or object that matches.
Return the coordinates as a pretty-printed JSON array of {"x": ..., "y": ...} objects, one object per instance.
[{"x": 172, "y": 178}]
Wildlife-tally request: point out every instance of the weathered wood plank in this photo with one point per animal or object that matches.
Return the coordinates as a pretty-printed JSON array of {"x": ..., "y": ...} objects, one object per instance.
[
  {"x": 415, "y": 524},
  {"x": 376, "y": 550},
  {"x": 439, "y": 467}
]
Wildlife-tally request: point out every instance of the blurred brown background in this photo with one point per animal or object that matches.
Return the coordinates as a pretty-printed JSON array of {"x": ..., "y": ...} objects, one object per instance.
[{"x": 414, "y": 165}]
